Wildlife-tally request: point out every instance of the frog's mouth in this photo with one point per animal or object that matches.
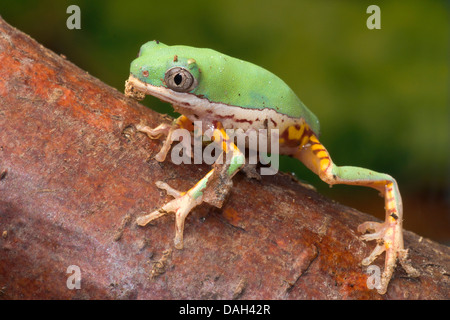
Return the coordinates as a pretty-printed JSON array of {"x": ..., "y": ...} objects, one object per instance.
[{"x": 137, "y": 89}]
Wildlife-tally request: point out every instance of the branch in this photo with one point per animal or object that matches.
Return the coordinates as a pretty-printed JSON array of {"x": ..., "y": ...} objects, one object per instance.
[{"x": 74, "y": 175}]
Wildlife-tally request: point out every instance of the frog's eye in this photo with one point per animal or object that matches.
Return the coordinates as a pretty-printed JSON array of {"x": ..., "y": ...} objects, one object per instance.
[{"x": 180, "y": 79}]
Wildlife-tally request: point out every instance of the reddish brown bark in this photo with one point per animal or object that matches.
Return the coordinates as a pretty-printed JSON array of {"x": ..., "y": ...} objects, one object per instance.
[{"x": 74, "y": 175}]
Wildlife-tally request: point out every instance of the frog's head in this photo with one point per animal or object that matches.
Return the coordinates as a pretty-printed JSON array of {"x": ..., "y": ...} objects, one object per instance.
[{"x": 158, "y": 66}]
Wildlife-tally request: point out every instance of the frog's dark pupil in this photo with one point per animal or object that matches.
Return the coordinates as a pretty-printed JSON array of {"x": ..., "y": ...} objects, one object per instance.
[{"x": 178, "y": 78}]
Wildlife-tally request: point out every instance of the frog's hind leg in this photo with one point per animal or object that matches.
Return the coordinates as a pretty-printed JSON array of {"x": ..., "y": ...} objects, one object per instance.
[{"x": 388, "y": 234}]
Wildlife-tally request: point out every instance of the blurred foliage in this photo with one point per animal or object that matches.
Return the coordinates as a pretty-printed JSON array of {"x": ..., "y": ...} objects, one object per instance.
[{"x": 382, "y": 96}]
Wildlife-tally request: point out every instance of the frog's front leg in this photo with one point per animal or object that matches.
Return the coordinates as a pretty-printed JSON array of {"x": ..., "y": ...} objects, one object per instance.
[
  {"x": 218, "y": 178},
  {"x": 165, "y": 129},
  {"x": 388, "y": 234}
]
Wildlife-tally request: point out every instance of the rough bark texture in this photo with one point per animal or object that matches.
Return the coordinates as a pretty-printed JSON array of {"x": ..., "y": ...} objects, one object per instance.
[{"x": 74, "y": 175}]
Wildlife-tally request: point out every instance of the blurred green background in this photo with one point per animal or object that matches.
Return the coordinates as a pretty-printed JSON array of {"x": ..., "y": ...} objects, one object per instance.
[{"x": 382, "y": 96}]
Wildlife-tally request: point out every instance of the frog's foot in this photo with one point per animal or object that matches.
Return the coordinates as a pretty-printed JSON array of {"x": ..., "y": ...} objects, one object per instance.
[
  {"x": 155, "y": 133},
  {"x": 390, "y": 240},
  {"x": 183, "y": 203},
  {"x": 168, "y": 130}
]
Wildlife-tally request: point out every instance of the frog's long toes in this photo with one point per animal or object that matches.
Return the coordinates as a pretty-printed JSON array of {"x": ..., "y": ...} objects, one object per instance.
[
  {"x": 385, "y": 232},
  {"x": 379, "y": 249},
  {"x": 377, "y": 231},
  {"x": 168, "y": 207},
  {"x": 144, "y": 220},
  {"x": 154, "y": 133},
  {"x": 372, "y": 236},
  {"x": 171, "y": 191}
]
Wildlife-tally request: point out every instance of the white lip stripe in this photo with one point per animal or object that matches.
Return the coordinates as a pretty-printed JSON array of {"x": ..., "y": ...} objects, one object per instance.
[{"x": 231, "y": 117}]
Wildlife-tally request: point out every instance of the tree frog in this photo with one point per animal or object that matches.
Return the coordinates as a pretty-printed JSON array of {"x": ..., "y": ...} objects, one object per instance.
[{"x": 227, "y": 93}]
